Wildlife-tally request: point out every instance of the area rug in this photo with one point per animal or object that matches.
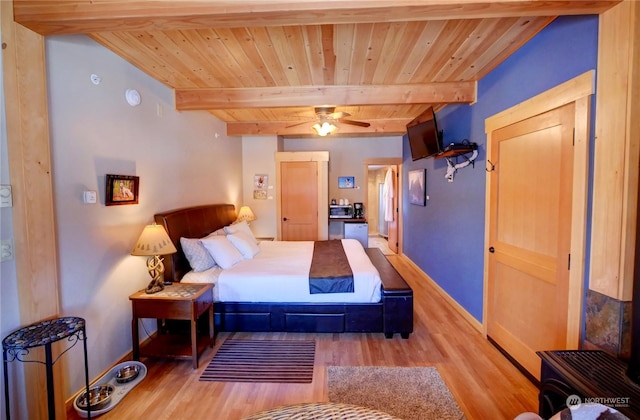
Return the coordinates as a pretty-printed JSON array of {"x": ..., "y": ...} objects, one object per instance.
[
  {"x": 262, "y": 361},
  {"x": 407, "y": 393}
]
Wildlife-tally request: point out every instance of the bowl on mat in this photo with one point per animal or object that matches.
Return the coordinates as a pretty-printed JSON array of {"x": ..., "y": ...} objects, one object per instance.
[
  {"x": 127, "y": 373},
  {"x": 99, "y": 396}
]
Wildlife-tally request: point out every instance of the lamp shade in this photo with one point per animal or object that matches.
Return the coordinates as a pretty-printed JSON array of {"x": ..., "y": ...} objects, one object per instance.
[
  {"x": 246, "y": 214},
  {"x": 154, "y": 241}
]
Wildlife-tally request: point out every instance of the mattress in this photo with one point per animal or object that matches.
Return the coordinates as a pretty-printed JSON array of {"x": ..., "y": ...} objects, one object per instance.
[{"x": 280, "y": 273}]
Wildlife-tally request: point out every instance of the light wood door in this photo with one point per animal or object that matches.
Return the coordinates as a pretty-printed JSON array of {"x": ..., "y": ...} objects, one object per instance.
[
  {"x": 530, "y": 235},
  {"x": 299, "y": 201},
  {"x": 392, "y": 239}
]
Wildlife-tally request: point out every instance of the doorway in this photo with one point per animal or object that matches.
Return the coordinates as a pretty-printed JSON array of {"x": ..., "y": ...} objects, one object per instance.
[{"x": 382, "y": 200}]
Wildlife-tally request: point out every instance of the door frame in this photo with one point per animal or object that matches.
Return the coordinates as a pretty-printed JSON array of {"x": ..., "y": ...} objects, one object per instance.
[
  {"x": 579, "y": 91},
  {"x": 397, "y": 162},
  {"x": 322, "y": 158}
]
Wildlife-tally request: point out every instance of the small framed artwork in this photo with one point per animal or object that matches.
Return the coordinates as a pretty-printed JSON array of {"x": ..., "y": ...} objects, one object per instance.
[
  {"x": 346, "y": 182},
  {"x": 122, "y": 189},
  {"x": 418, "y": 187},
  {"x": 260, "y": 185}
]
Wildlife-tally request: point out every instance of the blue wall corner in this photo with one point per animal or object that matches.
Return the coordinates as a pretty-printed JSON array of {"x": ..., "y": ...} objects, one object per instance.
[{"x": 446, "y": 237}]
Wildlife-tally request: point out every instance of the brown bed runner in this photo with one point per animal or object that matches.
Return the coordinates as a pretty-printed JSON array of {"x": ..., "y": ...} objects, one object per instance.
[{"x": 330, "y": 271}]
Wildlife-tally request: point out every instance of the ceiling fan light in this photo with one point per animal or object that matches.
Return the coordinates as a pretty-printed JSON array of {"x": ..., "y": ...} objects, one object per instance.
[{"x": 324, "y": 129}]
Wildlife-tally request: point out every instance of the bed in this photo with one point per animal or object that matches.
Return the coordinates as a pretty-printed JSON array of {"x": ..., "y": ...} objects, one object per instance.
[{"x": 385, "y": 306}]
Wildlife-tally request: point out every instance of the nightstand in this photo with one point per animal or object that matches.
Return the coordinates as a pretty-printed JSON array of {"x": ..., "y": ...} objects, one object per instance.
[{"x": 176, "y": 301}]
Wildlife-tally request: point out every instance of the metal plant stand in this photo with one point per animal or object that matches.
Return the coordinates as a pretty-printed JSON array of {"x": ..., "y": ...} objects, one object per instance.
[{"x": 16, "y": 346}]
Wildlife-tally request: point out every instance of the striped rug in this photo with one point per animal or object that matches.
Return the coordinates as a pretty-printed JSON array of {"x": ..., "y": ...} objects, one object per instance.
[{"x": 262, "y": 361}]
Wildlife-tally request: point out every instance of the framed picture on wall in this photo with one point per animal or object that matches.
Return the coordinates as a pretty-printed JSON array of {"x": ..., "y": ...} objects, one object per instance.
[
  {"x": 418, "y": 187},
  {"x": 346, "y": 182},
  {"x": 121, "y": 189}
]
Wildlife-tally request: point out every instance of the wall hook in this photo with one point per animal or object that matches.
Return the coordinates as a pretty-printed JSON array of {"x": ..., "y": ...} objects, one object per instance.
[{"x": 493, "y": 166}]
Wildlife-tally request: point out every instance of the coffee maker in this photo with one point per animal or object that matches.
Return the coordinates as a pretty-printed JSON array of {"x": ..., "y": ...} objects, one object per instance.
[{"x": 358, "y": 210}]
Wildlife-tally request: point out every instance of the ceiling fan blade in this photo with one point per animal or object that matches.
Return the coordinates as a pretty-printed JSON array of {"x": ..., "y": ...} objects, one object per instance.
[
  {"x": 297, "y": 124},
  {"x": 339, "y": 115},
  {"x": 358, "y": 123}
]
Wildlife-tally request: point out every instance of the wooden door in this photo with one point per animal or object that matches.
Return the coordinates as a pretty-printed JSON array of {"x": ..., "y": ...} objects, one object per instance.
[
  {"x": 392, "y": 239},
  {"x": 530, "y": 235},
  {"x": 299, "y": 200}
]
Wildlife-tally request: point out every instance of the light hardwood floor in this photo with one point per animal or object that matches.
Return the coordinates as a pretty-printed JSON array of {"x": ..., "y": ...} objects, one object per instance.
[{"x": 485, "y": 384}]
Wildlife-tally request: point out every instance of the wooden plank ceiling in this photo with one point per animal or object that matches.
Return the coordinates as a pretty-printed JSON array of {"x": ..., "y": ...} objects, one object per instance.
[{"x": 262, "y": 66}]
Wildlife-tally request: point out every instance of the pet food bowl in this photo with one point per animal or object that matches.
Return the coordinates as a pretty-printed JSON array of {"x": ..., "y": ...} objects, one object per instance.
[
  {"x": 99, "y": 396},
  {"x": 127, "y": 373}
]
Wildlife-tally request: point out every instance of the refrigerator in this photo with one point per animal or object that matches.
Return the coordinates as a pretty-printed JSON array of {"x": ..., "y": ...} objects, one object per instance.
[{"x": 359, "y": 231}]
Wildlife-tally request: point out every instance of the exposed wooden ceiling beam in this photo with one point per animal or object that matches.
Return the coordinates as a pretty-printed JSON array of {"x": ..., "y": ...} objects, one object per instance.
[
  {"x": 87, "y": 16},
  {"x": 193, "y": 99},
  {"x": 390, "y": 127}
]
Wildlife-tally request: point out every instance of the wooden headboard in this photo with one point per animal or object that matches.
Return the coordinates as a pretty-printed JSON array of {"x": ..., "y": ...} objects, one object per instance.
[{"x": 191, "y": 222}]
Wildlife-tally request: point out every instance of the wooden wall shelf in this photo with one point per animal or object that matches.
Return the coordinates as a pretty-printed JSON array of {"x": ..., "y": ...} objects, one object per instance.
[{"x": 457, "y": 152}]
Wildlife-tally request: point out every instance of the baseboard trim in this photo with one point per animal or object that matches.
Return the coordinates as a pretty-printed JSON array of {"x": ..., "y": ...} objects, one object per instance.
[{"x": 451, "y": 301}]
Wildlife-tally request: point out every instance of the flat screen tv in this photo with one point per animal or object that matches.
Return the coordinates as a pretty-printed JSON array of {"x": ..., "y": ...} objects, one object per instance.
[{"x": 424, "y": 137}]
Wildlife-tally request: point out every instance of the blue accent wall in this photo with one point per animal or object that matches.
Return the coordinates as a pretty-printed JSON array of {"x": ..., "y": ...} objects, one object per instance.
[{"x": 446, "y": 237}]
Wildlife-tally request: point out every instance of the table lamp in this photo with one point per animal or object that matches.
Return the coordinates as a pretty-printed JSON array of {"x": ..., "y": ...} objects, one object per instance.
[
  {"x": 152, "y": 243},
  {"x": 245, "y": 214}
]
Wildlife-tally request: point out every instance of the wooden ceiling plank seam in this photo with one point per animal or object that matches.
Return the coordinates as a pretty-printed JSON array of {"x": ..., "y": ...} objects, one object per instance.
[
  {"x": 454, "y": 33},
  {"x": 405, "y": 47},
  {"x": 269, "y": 55},
  {"x": 328, "y": 54},
  {"x": 82, "y": 16},
  {"x": 313, "y": 44},
  {"x": 487, "y": 32},
  {"x": 299, "y": 53},
  {"x": 138, "y": 55},
  {"x": 413, "y": 67},
  {"x": 182, "y": 56},
  {"x": 203, "y": 40},
  {"x": 388, "y": 53},
  {"x": 178, "y": 62},
  {"x": 232, "y": 53},
  {"x": 283, "y": 53},
  {"x": 513, "y": 45},
  {"x": 223, "y": 48},
  {"x": 343, "y": 44},
  {"x": 361, "y": 47},
  {"x": 492, "y": 45},
  {"x": 378, "y": 36},
  {"x": 249, "y": 58}
]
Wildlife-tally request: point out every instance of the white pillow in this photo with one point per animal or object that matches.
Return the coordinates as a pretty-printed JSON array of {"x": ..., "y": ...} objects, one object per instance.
[
  {"x": 197, "y": 255},
  {"x": 241, "y": 227},
  {"x": 222, "y": 250},
  {"x": 245, "y": 244}
]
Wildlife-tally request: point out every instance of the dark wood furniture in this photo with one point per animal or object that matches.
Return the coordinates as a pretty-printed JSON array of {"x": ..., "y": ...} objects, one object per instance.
[
  {"x": 177, "y": 301},
  {"x": 585, "y": 376},
  {"x": 393, "y": 314}
]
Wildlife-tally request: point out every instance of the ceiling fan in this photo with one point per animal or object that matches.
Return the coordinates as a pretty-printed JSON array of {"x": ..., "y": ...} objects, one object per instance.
[{"x": 327, "y": 117}]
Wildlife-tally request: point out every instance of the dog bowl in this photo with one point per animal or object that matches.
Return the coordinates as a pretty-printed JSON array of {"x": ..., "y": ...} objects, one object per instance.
[
  {"x": 99, "y": 396},
  {"x": 127, "y": 373}
]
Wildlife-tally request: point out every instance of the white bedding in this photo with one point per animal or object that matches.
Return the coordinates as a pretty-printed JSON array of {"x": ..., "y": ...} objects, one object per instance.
[{"x": 280, "y": 273}]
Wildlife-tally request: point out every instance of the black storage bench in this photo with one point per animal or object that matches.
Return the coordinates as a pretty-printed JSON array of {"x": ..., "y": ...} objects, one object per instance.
[{"x": 397, "y": 297}]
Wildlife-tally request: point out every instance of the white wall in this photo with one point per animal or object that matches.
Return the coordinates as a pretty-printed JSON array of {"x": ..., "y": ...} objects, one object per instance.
[
  {"x": 94, "y": 132},
  {"x": 258, "y": 158}
]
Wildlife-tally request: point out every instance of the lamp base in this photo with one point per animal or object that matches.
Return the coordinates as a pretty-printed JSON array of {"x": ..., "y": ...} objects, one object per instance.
[
  {"x": 156, "y": 269},
  {"x": 154, "y": 286}
]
